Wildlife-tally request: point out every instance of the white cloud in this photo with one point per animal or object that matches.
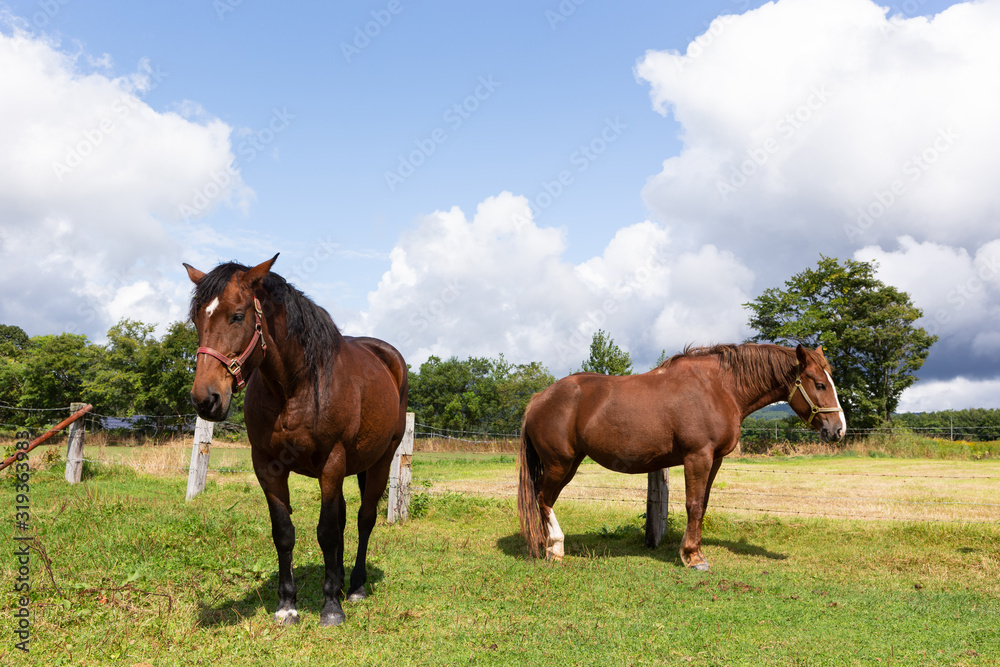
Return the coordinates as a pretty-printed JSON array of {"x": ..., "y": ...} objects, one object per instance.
[
  {"x": 822, "y": 126},
  {"x": 498, "y": 283},
  {"x": 92, "y": 187},
  {"x": 956, "y": 394},
  {"x": 822, "y": 119}
]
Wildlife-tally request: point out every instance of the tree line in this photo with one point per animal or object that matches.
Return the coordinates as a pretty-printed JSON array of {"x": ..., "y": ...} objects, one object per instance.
[{"x": 867, "y": 330}]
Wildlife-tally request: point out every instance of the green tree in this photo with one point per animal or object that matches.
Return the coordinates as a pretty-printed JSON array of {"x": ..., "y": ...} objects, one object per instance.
[
  {"x": 172, "y": 366},
  {"x": 53, "y": 372},
  {"x": 866, "y": 329},
  {"x": 13, "y": 341},
  {"x": 123, "y": 370},
  {"x": 14, "y": 345},
  {"x": 606, "y": 357},
  {"x": 479, "y": 395}
]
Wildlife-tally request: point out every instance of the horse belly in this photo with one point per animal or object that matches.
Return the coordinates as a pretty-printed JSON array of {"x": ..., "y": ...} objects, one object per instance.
[{"x": 633, "y": 453}]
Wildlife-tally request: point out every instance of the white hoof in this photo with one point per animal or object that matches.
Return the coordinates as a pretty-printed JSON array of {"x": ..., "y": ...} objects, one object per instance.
[{"x": 286, "y": 617}]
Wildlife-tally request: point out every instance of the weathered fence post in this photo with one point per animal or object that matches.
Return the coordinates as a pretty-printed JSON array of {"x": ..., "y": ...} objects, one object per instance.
[
  {"x": 199, "y": 457},
  {"x": 657, "y": 493},
  {"x": 74, "y": 450},
  {"x": 399, "y": 476}
]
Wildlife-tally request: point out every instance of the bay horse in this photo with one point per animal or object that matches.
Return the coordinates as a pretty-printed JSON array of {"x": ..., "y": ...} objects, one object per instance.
[
  {"x": 687, "y": 411},
  {"x": 318, "y": 403}
]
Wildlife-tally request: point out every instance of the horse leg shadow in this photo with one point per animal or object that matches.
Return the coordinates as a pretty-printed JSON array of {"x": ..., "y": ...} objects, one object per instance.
[{"x": 216, "y": 613}]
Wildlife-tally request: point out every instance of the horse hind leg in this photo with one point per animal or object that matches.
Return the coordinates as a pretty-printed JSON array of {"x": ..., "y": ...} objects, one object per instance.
[
  {"x": 552, "y": 485},
  {"x": 375, "y": 481},
  {"x": 330, "y": 535}
]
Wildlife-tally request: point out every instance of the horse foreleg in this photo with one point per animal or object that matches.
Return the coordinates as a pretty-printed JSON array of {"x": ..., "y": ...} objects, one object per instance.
[
  {"x": 699, "y": 470},
  {"x": 330, "y": 535},
  {"x": 283, "y": 533},
  {"x": 374, "y": 485}
]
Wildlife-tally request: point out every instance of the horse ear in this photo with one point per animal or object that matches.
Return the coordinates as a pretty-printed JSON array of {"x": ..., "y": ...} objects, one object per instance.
[
  {"x": 803, "y": 356},
  {"x": 257, "y": 273},
  {"x": 194, "y": 274},
  {"x": 819, "y": 351}
]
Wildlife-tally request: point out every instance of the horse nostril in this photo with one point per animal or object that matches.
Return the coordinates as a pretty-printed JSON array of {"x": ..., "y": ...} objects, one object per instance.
[{"x": 208, "y": 405}]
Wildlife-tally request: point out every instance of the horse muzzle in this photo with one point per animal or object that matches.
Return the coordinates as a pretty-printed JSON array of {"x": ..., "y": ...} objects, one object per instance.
[{"x": 212, "y": 405}]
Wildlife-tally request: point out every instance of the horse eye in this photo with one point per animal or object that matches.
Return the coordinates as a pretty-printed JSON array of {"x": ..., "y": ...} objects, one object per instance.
[
  {"x": 820, "y": 386},
  {"x": 237, "y": 317}
]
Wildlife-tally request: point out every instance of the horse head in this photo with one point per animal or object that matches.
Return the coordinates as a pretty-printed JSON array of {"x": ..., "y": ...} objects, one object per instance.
[
  {"x": 813, "y": 395},
  {"x": 231, "y": 335}
]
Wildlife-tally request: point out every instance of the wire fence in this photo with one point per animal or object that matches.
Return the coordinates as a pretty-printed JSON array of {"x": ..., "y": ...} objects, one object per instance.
[{"x": 858, "y": 504}]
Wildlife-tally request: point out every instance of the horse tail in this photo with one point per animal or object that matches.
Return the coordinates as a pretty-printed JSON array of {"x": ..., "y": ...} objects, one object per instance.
[{"x": 535, "y": 531}]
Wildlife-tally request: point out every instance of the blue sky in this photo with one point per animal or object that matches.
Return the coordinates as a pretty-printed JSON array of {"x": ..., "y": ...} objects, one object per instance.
[{"x": 539, "y": 100}]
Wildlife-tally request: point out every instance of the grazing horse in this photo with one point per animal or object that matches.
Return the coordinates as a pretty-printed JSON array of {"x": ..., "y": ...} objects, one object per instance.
[
  {"x": 687, "y": 411},
  {"x": 318, "y": 403}
]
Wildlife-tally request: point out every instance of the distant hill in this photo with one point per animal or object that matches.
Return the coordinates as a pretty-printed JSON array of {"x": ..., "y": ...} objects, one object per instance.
[{"x": 774, "y": 411}]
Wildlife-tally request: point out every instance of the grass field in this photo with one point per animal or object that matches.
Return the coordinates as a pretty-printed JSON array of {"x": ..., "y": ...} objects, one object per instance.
[{"x": 123, "y": 571}]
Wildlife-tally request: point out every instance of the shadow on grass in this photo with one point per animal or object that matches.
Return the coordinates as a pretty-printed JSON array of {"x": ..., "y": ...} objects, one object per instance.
[
  {"x": 630, "y": 541},
  {"x": 308, "y": 578}
]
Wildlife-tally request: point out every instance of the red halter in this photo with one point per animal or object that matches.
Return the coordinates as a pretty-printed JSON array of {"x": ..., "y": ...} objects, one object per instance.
[{"x": 235, "y": 366}]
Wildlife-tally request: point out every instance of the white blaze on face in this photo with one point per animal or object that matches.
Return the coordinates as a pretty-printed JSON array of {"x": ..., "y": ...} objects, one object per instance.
[
  {"x": 212, "y": 306},
  {"x": 840, "y": 415}
]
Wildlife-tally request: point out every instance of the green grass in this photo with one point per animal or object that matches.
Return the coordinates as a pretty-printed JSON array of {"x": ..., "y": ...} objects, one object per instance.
[{"x": 126, "y": 572}]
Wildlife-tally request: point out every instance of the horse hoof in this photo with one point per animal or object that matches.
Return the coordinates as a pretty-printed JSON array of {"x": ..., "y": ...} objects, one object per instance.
[
  {"x": 331, "y": 615},
  {"x": 286, "y": 617},
  {"x": 358, "y": 595},
  {"x": 701, "y": 567},
  {"x": 332, "y": 619}
]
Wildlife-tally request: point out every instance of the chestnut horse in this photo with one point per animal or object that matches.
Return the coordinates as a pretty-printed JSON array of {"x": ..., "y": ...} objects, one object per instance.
[
  {"x": 318, "y": 403},
  {"x": 686, "y": 412}
]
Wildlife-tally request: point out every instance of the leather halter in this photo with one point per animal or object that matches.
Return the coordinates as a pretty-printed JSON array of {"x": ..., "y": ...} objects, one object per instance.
[
  {"x": 815, "y": 409},
  {"x": 235, "y": 366}
]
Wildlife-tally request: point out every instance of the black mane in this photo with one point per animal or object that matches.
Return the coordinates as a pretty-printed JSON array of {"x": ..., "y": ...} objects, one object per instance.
[{"x": 309, "y": 324}]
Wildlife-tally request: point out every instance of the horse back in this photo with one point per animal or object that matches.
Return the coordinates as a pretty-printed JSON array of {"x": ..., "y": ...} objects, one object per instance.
[{"x": 389, "y": 356}]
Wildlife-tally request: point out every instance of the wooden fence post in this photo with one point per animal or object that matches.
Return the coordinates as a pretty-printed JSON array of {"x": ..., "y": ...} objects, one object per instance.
[
  {"x": 657, "y": 493},
  {"x": 199, "y": 457},
  {"x": 74, "y": 450},
  {"x": 399, "y": 476}
]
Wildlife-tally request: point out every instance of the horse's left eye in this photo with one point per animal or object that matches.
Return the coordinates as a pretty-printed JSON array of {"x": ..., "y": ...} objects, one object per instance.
[
  {"x": 820, "y": 386},
  {"x": 237, "y": 317}
]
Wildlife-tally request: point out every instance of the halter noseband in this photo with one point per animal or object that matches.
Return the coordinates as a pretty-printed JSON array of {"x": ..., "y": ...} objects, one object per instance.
[
  {"x": 235, "y": 366},
  {"x": 815, "y": 409}
]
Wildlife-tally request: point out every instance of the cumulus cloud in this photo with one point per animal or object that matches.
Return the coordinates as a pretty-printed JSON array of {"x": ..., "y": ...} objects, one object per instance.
[
  {"x": 956, "y": 394},
  {"x": 95, "y": 186},
  {"x": 499, "y": 283},
  {"x": 959, "y": 293},
  {"x": 837, "y": 127}
]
